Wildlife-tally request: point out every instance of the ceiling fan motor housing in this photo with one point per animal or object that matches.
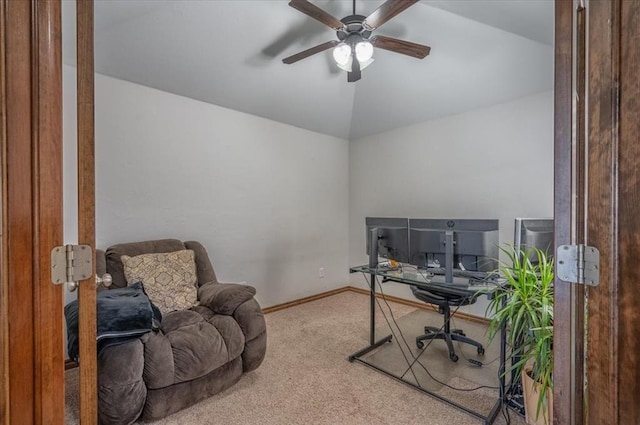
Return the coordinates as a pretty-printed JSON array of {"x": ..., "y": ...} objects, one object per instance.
[{"x": 353, "y": 26}]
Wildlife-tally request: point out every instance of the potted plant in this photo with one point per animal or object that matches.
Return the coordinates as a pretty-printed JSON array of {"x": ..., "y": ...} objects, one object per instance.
[{"x": 525, "y": 306}]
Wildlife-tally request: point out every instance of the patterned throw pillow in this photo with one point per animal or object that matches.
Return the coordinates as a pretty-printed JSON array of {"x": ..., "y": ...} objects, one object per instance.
[{"x": 169, "y": 278}]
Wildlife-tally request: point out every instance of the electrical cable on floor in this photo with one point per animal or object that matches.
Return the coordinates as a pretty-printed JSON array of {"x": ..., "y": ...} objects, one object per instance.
[
  {"x": 416, "y": 359},
  {"x": 504, "y": 404},
  {"x": 408, "y": 347},
  {"x": 505, "y": 413},
  {"x": 504, "y": 409},
  {"x": 390, "y": 327}
]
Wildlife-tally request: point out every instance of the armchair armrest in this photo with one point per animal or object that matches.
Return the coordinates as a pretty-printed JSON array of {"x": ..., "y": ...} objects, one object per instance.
[
  {"x": 224, "y": 298},
  {"x": 121, "y": 387}
]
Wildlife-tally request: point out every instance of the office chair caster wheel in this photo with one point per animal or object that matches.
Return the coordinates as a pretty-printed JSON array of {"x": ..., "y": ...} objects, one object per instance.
[
  {"x": 420, "y": 345},
  {"x": 453, "y": 357},
  {"x": 480, "y": 351}
]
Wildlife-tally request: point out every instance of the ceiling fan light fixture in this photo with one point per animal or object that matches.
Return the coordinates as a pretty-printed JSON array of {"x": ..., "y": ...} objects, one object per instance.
[
  {"x": 354, "y": 49},
  {"x": 342, "y": 55},
  {"x": 347, "y": 66},
  {"x": 365, "y": 64},
  {"x": 364, "y": 51}
]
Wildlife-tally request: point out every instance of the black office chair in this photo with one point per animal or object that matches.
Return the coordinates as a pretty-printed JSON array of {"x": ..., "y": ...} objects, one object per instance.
[{"x": 444, "y": 301}]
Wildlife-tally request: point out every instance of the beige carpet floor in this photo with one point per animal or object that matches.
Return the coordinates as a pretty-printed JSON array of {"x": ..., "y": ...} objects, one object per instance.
[{"x": 307, "y": 379}]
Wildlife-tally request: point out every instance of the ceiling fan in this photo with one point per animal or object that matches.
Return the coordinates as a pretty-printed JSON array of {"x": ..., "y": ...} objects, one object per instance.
[{"x": 353, "y": 51}]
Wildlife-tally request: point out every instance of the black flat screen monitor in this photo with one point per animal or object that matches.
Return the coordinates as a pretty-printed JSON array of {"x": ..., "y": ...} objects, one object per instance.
[
  {"x": 393, "y": 240},
  {"x": 475, "y": 243},
  {"x": 534, "y": 233}
]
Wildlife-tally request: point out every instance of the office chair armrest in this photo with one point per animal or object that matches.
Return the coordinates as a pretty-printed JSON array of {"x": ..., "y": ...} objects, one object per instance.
[{"x": 224, "y": 298}]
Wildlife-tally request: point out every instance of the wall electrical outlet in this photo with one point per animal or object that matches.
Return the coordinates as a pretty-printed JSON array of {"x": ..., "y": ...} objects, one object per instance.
[{"x": 321, "y": 272}]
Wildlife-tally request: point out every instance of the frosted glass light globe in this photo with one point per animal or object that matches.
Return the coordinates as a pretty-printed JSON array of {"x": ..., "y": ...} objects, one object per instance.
[
  {"x": 364, "y": 51},
  {"x": 342, "y": 54}
]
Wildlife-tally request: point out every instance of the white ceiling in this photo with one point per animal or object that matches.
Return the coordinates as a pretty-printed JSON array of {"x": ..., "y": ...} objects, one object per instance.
[{"x": 229, "y": 53}]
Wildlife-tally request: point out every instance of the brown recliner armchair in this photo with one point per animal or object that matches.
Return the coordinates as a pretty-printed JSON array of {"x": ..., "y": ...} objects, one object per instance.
[{"x": 194, "y": 354}]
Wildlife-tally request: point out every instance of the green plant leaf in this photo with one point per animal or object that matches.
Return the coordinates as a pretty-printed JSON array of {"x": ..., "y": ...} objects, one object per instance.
[{"x": 525, "y": 307}]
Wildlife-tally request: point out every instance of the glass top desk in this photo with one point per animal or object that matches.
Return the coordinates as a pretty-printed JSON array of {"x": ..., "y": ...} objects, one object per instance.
[{"x": 465, "y": 284}]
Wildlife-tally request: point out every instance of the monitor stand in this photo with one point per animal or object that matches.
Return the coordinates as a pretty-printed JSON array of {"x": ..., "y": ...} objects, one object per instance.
[{"x": 448, "y": 256}]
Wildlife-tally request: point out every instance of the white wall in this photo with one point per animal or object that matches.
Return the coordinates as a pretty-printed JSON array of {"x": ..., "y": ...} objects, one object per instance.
[
  {"x": 274, "y": 203},
  {"x": 269, "y": 201},
  {"x": 495, "y": 162}
]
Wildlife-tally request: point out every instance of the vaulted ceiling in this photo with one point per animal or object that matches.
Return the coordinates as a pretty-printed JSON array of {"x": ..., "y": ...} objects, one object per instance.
[{"x": 229, "y": 53}]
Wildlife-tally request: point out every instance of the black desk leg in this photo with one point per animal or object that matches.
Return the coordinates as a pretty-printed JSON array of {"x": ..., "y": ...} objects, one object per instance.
[
  {"x": 373, "y": 344},
  {"x": 371, "y": 347},
  {"x": 372, "y": 310}
]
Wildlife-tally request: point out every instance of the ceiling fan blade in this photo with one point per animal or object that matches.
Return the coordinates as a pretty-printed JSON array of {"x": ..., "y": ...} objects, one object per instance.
[
  {"x": 386, "y": 11},
  {"x": 355, "y": 73},
  {"x": 408, "y": 48},
  {"x": 312, "y": 51},
  {"x": 316, "y": 13}
]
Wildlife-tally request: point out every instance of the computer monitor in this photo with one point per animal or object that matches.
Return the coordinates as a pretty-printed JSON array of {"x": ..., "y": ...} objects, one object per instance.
[
  {"x": 475, "y": 243},
  {"x": 393, "y": 240},
  {"x": 534, "y": 233}
]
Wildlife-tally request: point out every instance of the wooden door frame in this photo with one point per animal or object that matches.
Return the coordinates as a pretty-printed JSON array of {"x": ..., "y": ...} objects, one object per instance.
[
  {"x": 563, "y": 394},
  {"x": 601, "y": 210},
  {"x": 32, "y": 368},
  {"x": 88, "y": 392},
  {"x": 32, "y": 371},
  {"x": 613, "y": 364}
]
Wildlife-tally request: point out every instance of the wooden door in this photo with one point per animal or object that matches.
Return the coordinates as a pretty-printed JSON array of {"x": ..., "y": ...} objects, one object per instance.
[
  {"x": 598, "y": 203},
  {"x": 32, "y": 366},
  {"x": 613, "y": 211},
  {"x": 31, "y": 318}
]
